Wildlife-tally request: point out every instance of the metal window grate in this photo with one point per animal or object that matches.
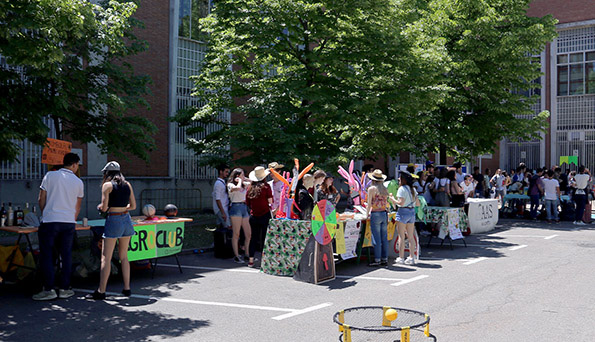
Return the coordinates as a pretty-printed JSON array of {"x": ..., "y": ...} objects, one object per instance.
[
  {"x": 190, "y": 55},
  {"x": 576, "y": 113},
  {"x": 579, "y": 39}
]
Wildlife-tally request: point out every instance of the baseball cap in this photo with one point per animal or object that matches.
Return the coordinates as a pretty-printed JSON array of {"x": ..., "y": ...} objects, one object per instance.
[{"x": 111, "y": 166}]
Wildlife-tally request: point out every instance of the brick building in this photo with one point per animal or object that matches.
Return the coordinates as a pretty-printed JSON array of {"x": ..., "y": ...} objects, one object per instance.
[{"x": 568, "y": 92}]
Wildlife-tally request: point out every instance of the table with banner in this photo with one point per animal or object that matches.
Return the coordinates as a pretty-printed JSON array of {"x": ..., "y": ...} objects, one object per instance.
[
  {"x": 483, "y": 214},
  {"x": 452, "y": 222},
  {"x": 154, "y": 238}
]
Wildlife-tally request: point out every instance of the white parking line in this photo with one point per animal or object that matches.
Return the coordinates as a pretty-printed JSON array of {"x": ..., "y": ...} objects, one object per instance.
[
  {"x": 407, "y": 281},
  {"x": 473, "y": 261},
  {"x": 550, "y": 237},
  {"x": 523, "y": 236},
  {"x": 290, "y": 312},
  {"x": 399, "y": 281},
  {"x": 517, "y": 247},
  {"x": 302, "y": 311}
]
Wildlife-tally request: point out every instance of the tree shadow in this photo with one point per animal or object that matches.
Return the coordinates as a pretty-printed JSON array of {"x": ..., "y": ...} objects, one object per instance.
[{"x": 76, "y": 319}]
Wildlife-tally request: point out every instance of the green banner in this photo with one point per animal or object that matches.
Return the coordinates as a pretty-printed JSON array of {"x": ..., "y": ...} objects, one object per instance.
[
  {"x": 156, "y": 240},
  {"x": 170, "y": 238}
]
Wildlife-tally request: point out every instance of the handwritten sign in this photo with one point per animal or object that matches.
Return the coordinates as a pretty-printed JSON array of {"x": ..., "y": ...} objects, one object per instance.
[
  {"x": 156, "y": 240},
  {"x": 54, "y": 151}
]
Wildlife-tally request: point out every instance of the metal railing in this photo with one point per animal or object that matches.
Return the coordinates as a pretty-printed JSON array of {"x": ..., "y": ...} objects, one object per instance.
[{"x": 187, "y": 200}]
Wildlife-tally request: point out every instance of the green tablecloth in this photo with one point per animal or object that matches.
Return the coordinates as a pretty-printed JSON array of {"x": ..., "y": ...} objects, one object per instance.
[{"x": 440, "y": 215}]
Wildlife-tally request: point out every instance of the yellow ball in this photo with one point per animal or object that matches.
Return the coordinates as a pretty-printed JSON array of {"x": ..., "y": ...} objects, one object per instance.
[{"x": 391, "y": 314}]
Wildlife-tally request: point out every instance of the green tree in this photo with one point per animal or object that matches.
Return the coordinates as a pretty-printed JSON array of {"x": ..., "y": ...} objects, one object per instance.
[
  {"x": 324, "y": 81},
  {"x": 491, "y": 45},
  {"x": 67, "y": 60}
]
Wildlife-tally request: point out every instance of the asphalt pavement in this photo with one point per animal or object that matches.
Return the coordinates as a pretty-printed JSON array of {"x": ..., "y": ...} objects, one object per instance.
[{"x": 523, "y": 281}]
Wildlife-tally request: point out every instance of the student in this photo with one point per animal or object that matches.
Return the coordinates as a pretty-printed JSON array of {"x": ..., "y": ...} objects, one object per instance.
[
  {"x": 456, "y": 193},
  {"x": 468, "y": 187},
  {"x": 328, "y": 191},
  {"x": 305, "y": 201},
  {"x": 237, "y": 185},
  {"x": 60, "y": 196},
  {"x": 441, "y": 188},
  {"x": 319, "y": 177},
  {"x": 376, "y": 211},
  {"x": 551, "y": 188},
  {"x": 479, "y": 183},
  {"x": 117, "y": 199},
  {"x": 535, "y": 192},
  {"x": 259, "y": 199},
  {"x": 406, "y": 200},
  {"x": 221, "y": 198},
  {"x": 276, "y": 186},
  {"x": 581, "y": 183}
]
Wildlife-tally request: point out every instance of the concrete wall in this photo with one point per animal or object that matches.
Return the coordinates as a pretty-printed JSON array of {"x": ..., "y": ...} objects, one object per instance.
[{"x": 20, "y": 192}]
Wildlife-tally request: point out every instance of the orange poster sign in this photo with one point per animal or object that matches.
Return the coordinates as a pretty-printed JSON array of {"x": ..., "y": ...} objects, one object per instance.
[{"x": 54, "y": 151}]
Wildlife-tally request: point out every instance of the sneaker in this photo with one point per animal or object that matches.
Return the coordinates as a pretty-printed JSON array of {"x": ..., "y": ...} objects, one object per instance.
[
  {"x": 399, "y": 260},
  {"x": 374, "y": 263},
  {"x": 96, "y": 295},
  {"x": 127, "y": 293},
  {"x": 250, "y": 264},
  {"x": 45, "y": 295},
  {"x": 65, "y": 293},
  {"x": 238, "y": 260},
  {"x": 581, "y": 223},
  {"x": 384, "y": 262},
  {"x": 410, "y": 261}
]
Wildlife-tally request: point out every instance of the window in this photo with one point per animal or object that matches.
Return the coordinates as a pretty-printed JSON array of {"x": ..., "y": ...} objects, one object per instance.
[
  {"x": 576, "y": 73},
  {"x": 191, "y": 11}
]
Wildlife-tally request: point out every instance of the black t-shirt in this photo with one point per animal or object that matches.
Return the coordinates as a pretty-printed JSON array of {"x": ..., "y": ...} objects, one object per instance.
[{"x": 479, "y": 178}]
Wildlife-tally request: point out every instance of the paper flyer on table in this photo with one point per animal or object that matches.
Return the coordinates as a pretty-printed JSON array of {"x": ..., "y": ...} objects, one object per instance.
[{"x": 351, "y": 235}]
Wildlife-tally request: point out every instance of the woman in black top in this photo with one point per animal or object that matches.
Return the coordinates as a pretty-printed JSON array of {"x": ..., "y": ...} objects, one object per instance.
[{"x": 117, "y": 198}]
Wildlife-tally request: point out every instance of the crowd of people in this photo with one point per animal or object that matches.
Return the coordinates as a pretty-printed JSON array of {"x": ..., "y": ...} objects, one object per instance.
[{"x": 246, "y": 204}]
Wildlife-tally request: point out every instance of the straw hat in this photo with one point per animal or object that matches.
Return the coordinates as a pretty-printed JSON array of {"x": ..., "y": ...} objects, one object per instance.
[
  {"x": 377, "y": 175},
  {"x": 275, "y": 166},
  {"x": 308, "y": 181},
  {"x": 258, "y": 174}
]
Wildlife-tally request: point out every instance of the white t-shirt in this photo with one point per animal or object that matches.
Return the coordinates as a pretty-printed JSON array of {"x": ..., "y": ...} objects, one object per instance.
[
  {"x": 405, "y": 192},
  {"x": 499, "y": 180},
  {"x": 220, "y": 193},
  {"x": 438, "y": 182},
  {"x": 236, "y": 196},
  {"x": 63, "y": 189},
  {"x": 550, "y": 186},
  {"x": 582, "y": 181},
  {"x": 467, "y": 189},
  {"x": 276, "y": 188}
]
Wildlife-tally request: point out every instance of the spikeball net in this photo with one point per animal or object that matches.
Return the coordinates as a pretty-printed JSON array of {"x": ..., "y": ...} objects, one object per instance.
[{"x": 383, "y": 323}]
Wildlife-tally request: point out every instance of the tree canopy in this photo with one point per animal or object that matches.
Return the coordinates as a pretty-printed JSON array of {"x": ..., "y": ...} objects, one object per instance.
[
  {"x": 329, "y": 81},
  {"x": 66, "y": 60}
]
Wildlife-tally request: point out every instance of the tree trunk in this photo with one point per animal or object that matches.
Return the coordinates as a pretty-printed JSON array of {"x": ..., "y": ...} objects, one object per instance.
[{"x": 442, "y": 154}]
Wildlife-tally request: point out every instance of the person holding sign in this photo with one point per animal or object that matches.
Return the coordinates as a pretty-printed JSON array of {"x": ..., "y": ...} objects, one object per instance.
[
  {"x": 376, "y": 210},
  {"x": 406, "y": 201},
  {"x": 117, "y": 199},
  {"x": 60, "y": 196}
]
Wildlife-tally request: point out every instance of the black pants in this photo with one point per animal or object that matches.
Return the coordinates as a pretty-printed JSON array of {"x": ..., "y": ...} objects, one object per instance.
[
  {"x": 581, "y": 202},
  {"x": 259, "y": 225}
]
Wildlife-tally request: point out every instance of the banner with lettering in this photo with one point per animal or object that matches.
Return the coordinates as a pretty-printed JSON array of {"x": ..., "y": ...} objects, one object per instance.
[{"x": 156, "y": 240}]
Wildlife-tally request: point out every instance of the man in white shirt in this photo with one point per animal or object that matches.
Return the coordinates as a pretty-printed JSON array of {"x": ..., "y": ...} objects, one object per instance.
[
  {"x": 552, "y": 194},
  {"x": 221, "y": 198},
  {"x": 468, "y": 187},
  {"x": 60, "y": 196},
  {"x": 580, "y": 195}
]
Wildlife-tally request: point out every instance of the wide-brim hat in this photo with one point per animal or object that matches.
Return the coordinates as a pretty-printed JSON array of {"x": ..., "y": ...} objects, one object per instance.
[
  {"x": 377, "y": 175},
  {"x": 276, "y": 166},
  {"x": 259, "y": 173},
  {"x": 408, "y": 174},
  {"x": 111, "y": 166},
  {"x": 308, "y": 181}
]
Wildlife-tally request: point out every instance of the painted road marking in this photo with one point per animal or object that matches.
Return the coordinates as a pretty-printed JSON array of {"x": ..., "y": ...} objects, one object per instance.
[
  {"x": 517, "y": 247},
  {"x": 398, "y": 280},
  {"x": 290, "y": 312},
  {"x": 525, "y": 236},
  {"x": 550, "y": 237},
  {"x": 407, "y": 281},
  {"x": 473, "y": 261},
  {"x": 302, "y": 311}
]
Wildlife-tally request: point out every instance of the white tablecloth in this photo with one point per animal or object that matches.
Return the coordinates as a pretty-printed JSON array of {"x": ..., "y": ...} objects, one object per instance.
[{"x": 483, "y": 214}]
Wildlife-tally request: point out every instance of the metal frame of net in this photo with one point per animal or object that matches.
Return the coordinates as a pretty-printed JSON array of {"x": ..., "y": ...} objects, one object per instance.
[{"x": 369, "y": 323}]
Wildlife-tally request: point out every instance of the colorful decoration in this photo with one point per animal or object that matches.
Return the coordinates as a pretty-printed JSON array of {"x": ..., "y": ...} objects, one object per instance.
[
  {"x": 324, "y": 222},
  {"x": 569, "y": 160},
  {"x": 287, "y": 202},
  {"x": 283, "y": 246}
]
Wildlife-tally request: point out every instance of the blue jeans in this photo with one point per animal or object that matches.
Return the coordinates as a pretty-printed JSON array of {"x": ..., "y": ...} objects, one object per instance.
[
  {"x": 534, "y": 205},
  {"x": 49, "y": 234},
  {"x": 378, "y": 224},
  {"x": 581, "y": 202},
  {"x": 552, "y": 208}
]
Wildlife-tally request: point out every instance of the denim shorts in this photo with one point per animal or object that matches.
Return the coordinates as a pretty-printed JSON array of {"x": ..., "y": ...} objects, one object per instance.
[
  {"x": 239, "y": 209},
  {"x": 117, "y": 226},
  {"x": 406, "y": 215}
]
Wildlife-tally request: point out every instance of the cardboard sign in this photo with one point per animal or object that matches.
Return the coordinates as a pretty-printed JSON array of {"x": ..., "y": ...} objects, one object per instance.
[{"x": 54, "y": 151}]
